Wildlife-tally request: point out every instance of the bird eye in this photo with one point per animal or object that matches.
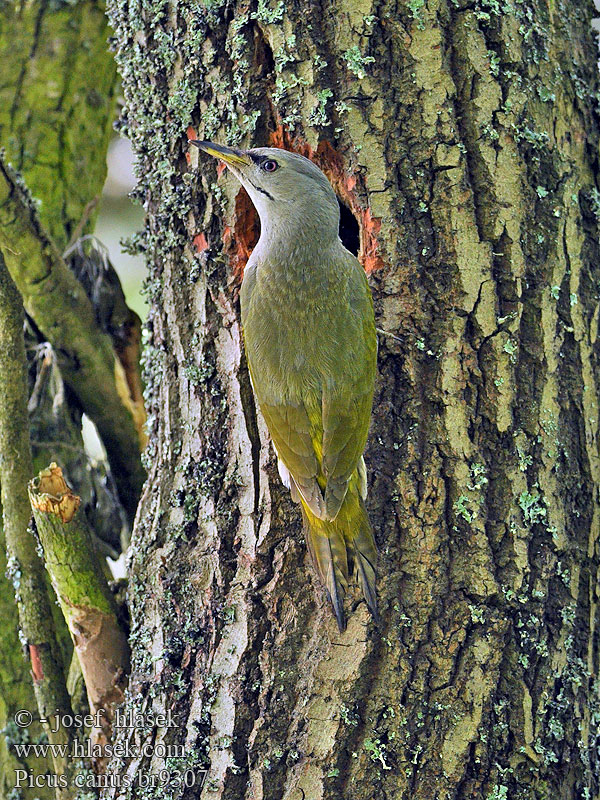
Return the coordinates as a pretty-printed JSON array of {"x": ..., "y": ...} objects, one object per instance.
[{"x": 269, "y": 166}]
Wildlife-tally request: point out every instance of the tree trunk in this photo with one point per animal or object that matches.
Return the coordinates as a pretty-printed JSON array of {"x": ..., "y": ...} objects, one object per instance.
[{"x": 463, "y": 142}]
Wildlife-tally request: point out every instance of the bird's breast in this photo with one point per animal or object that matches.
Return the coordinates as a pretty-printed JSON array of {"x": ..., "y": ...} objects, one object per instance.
[{"x": 291, "y": 326}]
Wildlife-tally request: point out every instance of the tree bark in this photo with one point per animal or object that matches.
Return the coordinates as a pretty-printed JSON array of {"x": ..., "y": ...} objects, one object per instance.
[{"x": 463, "y": 139}]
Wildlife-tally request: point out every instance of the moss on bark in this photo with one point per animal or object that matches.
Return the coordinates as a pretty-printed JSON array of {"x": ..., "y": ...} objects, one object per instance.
[
  {"x": 57, "y": 105},
  {"x": 86, "y": 601}
]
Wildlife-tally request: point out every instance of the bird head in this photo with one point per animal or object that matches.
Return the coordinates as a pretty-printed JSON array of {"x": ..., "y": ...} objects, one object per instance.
[{"x": 285, "y": 188}]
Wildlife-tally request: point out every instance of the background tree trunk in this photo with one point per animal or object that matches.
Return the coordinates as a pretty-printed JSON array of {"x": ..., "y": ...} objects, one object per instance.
[
  {"x": 57, "y": 103},
  {"x": 463, "y": 139}
]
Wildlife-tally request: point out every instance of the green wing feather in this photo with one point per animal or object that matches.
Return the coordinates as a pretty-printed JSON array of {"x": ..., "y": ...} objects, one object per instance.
[
  {"x": 347, "y": 403},
  {"x": 290, "y": 430}
]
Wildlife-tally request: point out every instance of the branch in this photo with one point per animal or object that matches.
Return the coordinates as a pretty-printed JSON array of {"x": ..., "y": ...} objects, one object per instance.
[
  {"x": 88, "y": 260},
  {"x": 58, "y": 304},
  {"x": 86, "y": 601},
  {"x": 56, "y": 435},
  {"x": 24, "y": 565}
]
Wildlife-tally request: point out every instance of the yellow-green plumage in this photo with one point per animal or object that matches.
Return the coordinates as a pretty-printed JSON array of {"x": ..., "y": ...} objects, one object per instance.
[{"x": 310, "y": 341}]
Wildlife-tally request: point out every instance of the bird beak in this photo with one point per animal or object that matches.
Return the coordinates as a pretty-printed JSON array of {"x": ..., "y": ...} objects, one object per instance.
[{"x": 231, "y": 156}]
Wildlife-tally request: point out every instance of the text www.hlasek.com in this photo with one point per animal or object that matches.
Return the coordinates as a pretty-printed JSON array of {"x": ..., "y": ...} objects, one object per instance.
[{"x": 88, "y": 750}]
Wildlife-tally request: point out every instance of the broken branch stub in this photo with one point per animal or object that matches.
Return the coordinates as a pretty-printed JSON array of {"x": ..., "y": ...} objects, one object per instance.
[{"x": 85, "y": 598}]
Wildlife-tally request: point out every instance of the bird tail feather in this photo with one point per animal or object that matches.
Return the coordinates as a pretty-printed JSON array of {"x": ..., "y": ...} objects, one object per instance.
[
  {"x": 341, "y": 546},
  {"x": 328, "y": 552},
  {"x": 363, "y": 558}
]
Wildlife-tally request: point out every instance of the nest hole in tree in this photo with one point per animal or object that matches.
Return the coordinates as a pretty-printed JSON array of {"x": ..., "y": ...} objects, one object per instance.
[
  {"x": 349, "y": 230},
  {"x": 247, "y": 231}
]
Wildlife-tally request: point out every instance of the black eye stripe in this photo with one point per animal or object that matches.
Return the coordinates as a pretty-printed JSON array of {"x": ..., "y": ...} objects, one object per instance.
[{"x": 260, "y": 161}]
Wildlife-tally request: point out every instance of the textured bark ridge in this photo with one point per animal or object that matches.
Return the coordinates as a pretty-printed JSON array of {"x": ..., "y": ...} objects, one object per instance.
[{"x": 464, "y": 142}]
